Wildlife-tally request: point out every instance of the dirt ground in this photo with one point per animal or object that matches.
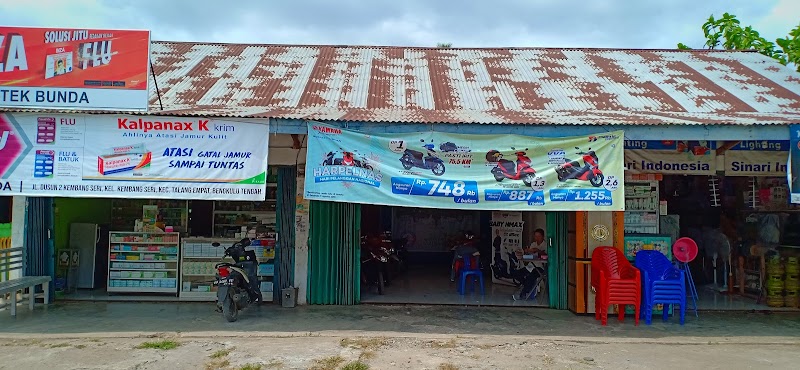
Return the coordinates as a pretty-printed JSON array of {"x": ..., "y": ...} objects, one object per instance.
[
  {"x": 335, "y": 352},
  {"x": 98, "y": 335}
]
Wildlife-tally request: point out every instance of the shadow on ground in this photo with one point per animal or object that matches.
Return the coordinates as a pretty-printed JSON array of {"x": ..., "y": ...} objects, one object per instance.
[{"x": 124, "y": 317}]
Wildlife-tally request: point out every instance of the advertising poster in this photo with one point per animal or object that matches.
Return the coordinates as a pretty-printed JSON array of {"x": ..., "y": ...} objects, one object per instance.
[
  {"x": 116, "y": 156},
  {"x": 670, "y": 157},
  {"x": 74, "y": 68},
  {"x": 506, "y": 240},
  {"x": 794, "y": 163},
  {"x": 458, "y": 171},
  {"x": 757, "y": 158}
]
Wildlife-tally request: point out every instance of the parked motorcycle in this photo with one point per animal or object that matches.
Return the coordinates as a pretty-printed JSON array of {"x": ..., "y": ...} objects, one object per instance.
[
  {"x": 400, "y": 249},
  {"x": 237, "y": 283},
  {"x": 506, "y": 169},
  {"x": 374, "y": 263},
  {"x": 428, "y": 161},
  {"x": 590, "y": 171}
]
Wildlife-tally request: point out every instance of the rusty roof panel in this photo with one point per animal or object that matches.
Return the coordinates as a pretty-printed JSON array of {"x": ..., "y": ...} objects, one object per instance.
[{"x": 512, "y": 85}]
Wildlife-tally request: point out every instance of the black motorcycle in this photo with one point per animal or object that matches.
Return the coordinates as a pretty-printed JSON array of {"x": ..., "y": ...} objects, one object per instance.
[
  {"x": 400, "y": 250},
  {"x": 429, "y": 161},
  {"x": 237, "y": 283},
  {"x": 374, "y": 263}
]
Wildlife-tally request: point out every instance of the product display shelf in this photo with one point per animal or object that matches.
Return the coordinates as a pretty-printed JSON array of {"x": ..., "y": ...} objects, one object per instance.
[
  {"x": 173, "y": 213},
  {"x": 231, "y": 218},
  {"x": 198, "y": 258},
  {"x": 265, "y": 252},
  {"x": 197, "y": 266},
  {"x": 143, "y": 262},
  {"x": 641, "y": 207}
]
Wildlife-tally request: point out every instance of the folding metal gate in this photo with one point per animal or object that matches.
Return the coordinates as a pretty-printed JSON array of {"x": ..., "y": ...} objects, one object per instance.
[
  {"x": 334, "y": 253},
  {"x": 39, "y": 248}
]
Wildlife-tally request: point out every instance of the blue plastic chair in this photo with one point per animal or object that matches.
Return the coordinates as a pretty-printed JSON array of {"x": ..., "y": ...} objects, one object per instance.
[
  {"x": 662, "y": 283},
  {"x": 470, "y": 271}
]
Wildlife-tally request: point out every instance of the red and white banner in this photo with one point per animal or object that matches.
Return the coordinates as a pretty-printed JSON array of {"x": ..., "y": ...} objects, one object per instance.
[{"x": 74, "y": 68}]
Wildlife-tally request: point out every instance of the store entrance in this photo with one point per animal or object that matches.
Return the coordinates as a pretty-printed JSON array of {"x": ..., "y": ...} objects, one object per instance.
[
  {"x": 512, "y": 248},
  {"x": 740, "y": 224}
]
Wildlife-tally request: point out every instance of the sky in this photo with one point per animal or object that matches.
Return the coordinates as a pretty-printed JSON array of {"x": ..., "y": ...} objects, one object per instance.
[{"x": 464, "y": 23}]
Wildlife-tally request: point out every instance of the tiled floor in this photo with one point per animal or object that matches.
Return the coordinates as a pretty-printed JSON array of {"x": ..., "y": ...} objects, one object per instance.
[
  {"x": 713, "y": 299},
  {"x": 431, "y": 285},
  {"x": 102, "y": 295}
]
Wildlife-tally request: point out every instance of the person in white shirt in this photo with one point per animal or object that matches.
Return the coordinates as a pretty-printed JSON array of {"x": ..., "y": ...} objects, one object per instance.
[{"x": 530, "y": 278}]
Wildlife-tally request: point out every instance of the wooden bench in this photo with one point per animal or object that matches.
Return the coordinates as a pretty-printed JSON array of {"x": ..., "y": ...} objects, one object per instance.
[{"x": 11, "y": 259}]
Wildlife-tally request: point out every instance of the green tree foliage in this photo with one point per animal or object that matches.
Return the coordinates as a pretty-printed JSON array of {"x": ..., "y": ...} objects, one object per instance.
[{"x": 727, "y": 33}]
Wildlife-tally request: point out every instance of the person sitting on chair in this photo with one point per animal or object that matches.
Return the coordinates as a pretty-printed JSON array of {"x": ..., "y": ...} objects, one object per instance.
[{"x": 530, "y": 275}]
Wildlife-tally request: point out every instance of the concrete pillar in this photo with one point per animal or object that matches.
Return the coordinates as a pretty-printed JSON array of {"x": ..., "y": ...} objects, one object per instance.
[
  {"x": 18, "y": 220},
  {"x": 301, "y": 227}
]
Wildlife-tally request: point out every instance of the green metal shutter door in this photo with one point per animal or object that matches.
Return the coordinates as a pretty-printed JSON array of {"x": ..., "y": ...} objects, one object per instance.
[
  {"x": 334, "y": 253},
  {"x": 557, "y": 259},
  {"x": 284, "y": 253}
]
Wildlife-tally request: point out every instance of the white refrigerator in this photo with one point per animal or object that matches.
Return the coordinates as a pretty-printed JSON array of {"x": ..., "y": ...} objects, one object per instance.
[{"x": 85, "y": 238}]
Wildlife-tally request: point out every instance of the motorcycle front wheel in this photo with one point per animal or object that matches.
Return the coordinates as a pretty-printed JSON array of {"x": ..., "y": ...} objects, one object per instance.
[
  {"x": 380, "y": 282},
  {"x": 406, "y": 164},
  {"x": 229, "y": 309},
  {"x": 438, "y": 169},
  {"x": 597, "y": 180}
]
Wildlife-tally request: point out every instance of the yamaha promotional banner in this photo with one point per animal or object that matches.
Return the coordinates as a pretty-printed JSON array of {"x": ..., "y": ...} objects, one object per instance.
[
  {"x": 794, "y": 163},
  {"x": 458, "y": 171}
]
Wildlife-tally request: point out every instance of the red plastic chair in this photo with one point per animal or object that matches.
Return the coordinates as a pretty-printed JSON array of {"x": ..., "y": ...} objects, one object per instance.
[{"x": 615, "y": 281}]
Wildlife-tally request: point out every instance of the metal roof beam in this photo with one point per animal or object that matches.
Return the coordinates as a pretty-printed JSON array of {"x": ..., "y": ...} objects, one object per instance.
[{"x": 632, "y": 132}]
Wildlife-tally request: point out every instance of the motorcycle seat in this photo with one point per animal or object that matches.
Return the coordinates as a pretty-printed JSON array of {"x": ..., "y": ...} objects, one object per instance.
[
  {"x": 508, "y": 165},
  {"x": 414, "y": 153}
]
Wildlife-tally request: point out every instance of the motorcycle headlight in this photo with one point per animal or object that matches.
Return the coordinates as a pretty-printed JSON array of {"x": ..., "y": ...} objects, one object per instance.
[{"x": 384, "y": 259}]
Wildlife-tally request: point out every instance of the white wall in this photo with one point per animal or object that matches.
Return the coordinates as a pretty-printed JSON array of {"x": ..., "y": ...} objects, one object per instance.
[
  {"x": 533, "y": 221},
  {"x": 281, "y": 152},
  {"x": 18, "y": 218},
  {"x": 301, "y": 243}
]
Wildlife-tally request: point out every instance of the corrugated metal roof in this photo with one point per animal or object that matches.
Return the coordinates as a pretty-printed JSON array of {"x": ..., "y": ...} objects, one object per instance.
[{"x": 510, "y": 85}]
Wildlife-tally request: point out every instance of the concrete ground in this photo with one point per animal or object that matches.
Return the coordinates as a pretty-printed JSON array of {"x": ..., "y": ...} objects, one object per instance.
[{"x": 107, "y": 335}]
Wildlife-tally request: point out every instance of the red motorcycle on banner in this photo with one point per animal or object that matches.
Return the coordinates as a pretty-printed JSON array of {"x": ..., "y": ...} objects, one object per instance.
[
  {"x": 590, "y": 171},
  {"x": 506, "y": 169}
]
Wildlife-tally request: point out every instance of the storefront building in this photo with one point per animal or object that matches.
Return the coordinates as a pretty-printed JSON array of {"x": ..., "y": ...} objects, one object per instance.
[{"x": 725, "y": 114}]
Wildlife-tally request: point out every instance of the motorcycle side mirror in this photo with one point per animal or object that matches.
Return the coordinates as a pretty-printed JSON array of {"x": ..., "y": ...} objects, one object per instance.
[
  {"x": 421, "y": 140},
  {"x": 577, "y": 148},
  {"x": 215, "y": 244}
]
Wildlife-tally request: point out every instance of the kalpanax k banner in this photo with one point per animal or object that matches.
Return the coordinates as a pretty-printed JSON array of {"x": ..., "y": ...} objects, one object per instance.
[{"x": 122, "y": 156}]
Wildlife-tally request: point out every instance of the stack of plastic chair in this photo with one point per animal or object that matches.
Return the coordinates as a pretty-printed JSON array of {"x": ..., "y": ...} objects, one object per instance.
[
  {"x": 662, "y": 283},
  {"x": 469, "y": 271},
  {"x": 616, "y": 281}
]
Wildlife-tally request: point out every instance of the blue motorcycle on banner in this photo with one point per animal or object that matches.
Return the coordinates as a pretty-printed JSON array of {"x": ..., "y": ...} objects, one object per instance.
[{"x": 427, "y": 161}]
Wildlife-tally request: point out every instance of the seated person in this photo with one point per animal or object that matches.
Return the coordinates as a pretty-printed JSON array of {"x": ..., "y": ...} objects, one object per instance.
[
  {"x": 468, "y": 247},
  {"x": 538, "y": 246},
  {"x": 530, "y": 275}
]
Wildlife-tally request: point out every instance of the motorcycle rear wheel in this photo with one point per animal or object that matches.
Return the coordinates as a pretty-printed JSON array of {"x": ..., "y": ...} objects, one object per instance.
[
  {"x": 527, "y": 179},
  {"x": 229, "y": 309}
]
